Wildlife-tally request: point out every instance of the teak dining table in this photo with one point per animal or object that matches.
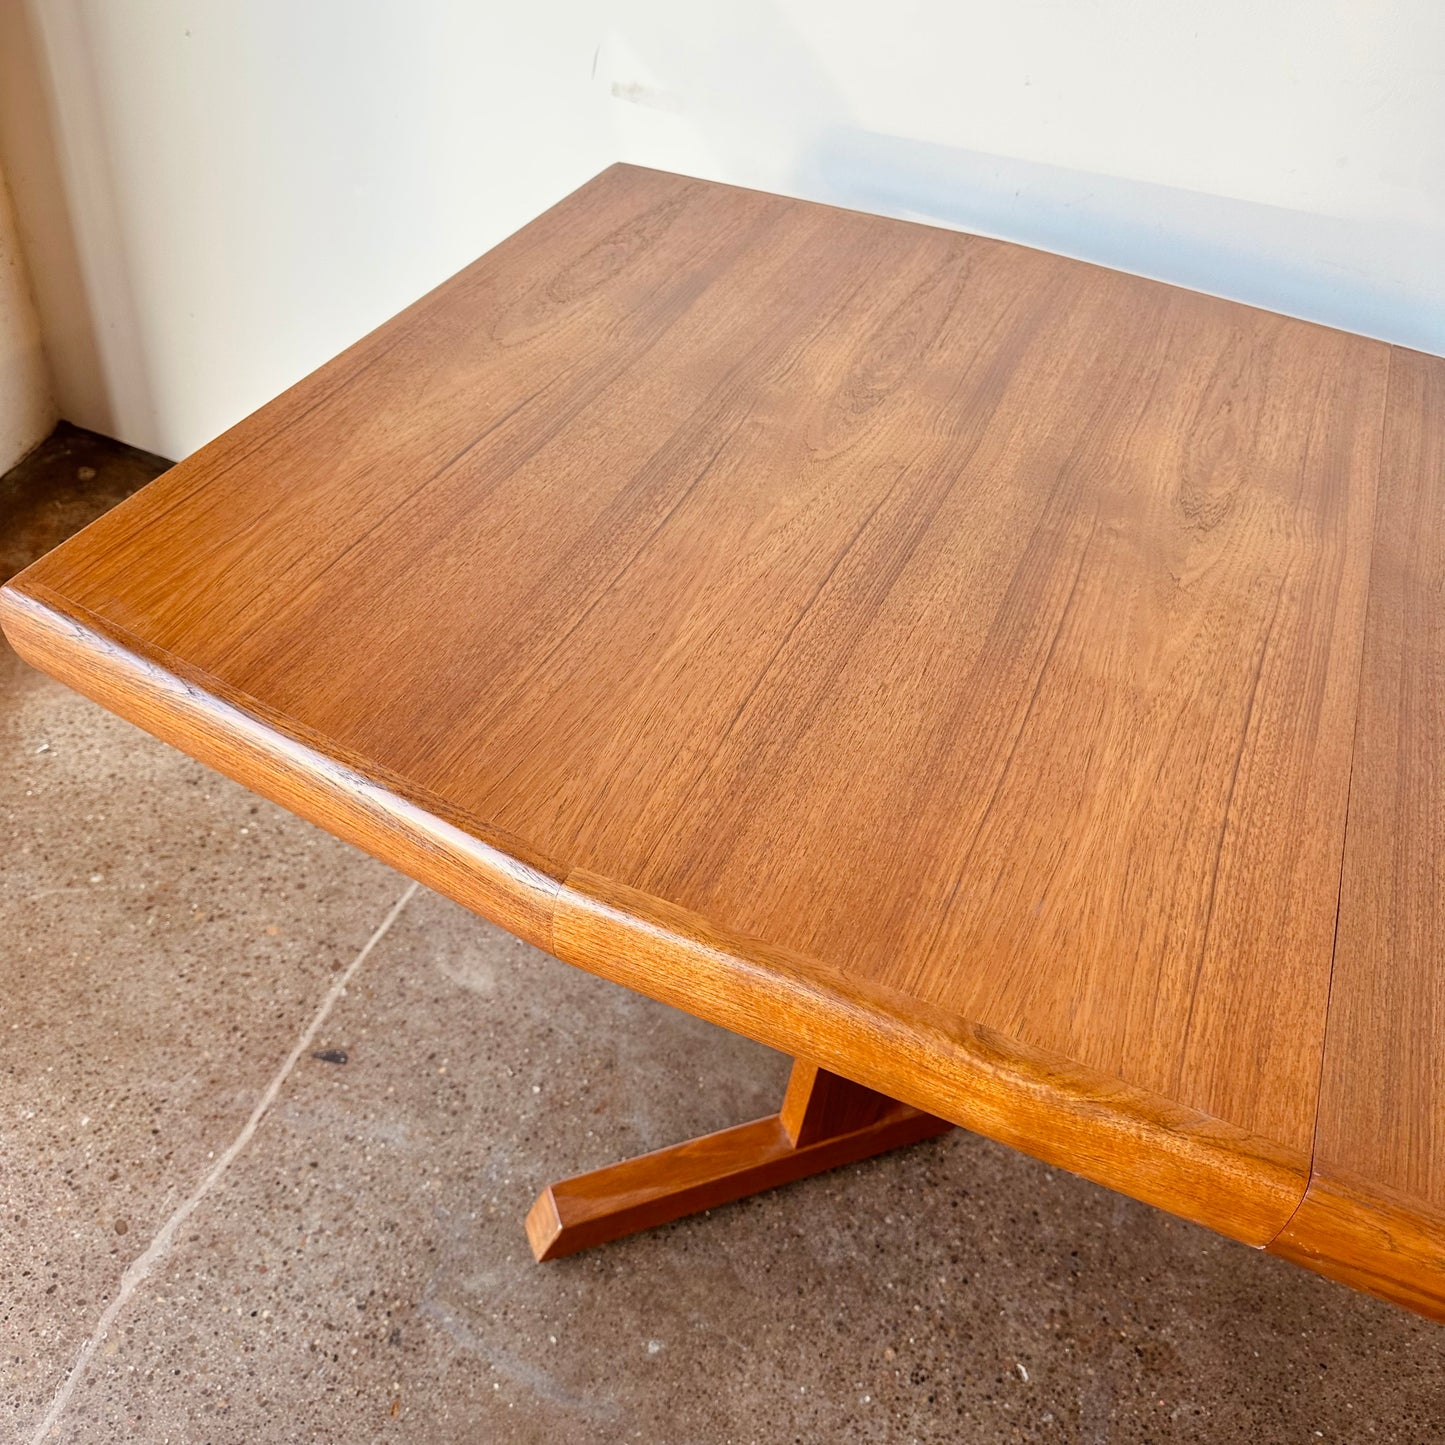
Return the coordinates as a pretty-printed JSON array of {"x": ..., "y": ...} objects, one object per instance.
[{"x": 1013, "y": 688}]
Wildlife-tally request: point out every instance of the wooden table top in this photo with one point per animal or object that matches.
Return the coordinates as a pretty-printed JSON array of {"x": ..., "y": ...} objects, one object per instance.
[{"x": 1012, "y": 684}]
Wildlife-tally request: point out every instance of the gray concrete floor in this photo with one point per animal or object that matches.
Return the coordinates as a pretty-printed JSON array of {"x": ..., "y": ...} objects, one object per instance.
[{"x": 211, "y": 1232}]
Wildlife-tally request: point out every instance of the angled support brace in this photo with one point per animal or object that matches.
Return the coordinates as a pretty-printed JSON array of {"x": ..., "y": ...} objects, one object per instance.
[{"x": 825, "y": 1121}]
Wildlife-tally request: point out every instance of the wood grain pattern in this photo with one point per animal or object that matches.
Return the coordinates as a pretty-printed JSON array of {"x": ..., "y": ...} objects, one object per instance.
[
  {"x": 1065, "y": 1113},
  {"x": 1358, "y": 1232},
  {"x": 825, "y": 1122},
  {"x": 1374, "y": 1215},
  {"x": 934, "y": 657},
  {"x": 819, "y": 1105},
  {"x": 424, "y": 836}
]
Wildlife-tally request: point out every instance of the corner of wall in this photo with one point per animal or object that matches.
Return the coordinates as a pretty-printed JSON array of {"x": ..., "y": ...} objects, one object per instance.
[{"x": 27, "y": 406}]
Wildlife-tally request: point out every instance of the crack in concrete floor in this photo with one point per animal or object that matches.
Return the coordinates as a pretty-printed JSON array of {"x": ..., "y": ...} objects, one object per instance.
[{"x": 137, "y": 1272}]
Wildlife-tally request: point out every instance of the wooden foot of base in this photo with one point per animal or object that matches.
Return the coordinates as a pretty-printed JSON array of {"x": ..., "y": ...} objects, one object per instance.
[{"x": 825, "y": 1121}]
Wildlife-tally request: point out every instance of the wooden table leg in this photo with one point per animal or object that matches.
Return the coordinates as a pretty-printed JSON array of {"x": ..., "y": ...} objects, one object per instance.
[{"x": 825, "y": 1121}]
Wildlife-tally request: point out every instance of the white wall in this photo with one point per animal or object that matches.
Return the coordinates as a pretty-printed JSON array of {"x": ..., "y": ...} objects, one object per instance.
[
  {"x": 253, "y": 183},
  {"x": 27, "y": 412}
]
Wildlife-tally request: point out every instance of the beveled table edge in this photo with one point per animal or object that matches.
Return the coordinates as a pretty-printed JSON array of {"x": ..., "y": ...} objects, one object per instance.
[
  {"x": 1077, "y": 1118},
  {"x": 238, "y": 736},
  {"x": 1369, "y": 1237}
]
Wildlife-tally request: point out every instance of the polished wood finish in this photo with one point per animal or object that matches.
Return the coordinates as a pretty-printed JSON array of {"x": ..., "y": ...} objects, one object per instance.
[
  {"x": 1082, "y": 1119},
  {"x": 422, "y": 835},
  {"x": 825, "y": 1122},
  {"x": 819, "y": 1105},
  {"x": 1374, "y": 1214},
  {"x": 935, "y": 658}
]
